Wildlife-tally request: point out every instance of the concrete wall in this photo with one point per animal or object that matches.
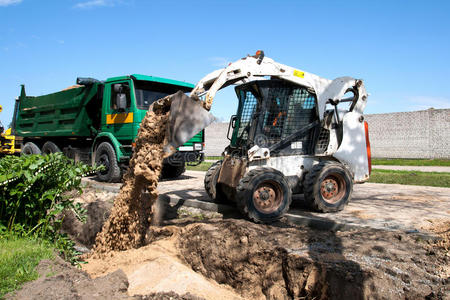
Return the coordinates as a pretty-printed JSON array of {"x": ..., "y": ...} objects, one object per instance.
[
  {"x": 216, "y": 138},
  {"x": 418, "y": 134}
]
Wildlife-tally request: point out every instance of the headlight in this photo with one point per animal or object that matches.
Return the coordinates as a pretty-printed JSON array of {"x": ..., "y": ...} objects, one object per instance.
[{"x": 198, "y": 146}]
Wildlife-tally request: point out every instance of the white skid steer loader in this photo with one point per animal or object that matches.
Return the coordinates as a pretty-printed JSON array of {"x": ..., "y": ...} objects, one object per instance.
[{"x": 294, "y": 132}]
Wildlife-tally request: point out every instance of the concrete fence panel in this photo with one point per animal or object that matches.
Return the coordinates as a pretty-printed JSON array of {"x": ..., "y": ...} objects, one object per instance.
[{"x": 417, "y": 134}]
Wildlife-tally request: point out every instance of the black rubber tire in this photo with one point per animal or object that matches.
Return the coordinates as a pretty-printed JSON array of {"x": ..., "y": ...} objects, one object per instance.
[
  {"x": 313, "y": 182},
  {"x": 251, "y": 182},
  {"x": 106, "y": 155},
  {"x": 213, "y": 189},
  {"x": 50, "y": 147},
  {"x": 30, "y": 148},
  {"x": 171, "y": 171}
]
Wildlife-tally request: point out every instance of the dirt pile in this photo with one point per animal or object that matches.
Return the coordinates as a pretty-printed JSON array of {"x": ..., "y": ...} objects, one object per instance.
[
  {"x": 130, "y": 215},
  {"x": 157, "y": 268},
  {"x": 60, "y": 280}
]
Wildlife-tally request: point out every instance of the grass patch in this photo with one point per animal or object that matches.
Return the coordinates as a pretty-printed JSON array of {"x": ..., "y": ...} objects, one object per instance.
[
  {"x": 411, "y": 162},
  {"x": 204, "y": 166},
  {"x": 214, "y": 157},
  {"x": 439, "y": 179},
  {"x": 19, "y": 257}
]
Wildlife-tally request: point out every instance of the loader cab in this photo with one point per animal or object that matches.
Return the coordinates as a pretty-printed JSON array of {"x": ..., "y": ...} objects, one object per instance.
[{"x": 271, "y": 111}]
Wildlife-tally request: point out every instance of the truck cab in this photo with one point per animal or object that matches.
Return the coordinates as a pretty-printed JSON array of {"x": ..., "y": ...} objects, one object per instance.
[{"x": 126, "y": 100}]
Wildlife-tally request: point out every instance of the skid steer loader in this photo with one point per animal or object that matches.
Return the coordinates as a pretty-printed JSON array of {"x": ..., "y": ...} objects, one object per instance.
[{"x": 294, "y": 132}]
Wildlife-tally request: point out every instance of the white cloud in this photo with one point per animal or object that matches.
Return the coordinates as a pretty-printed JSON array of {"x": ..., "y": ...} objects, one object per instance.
[
  {"x": 9, "y": 2},
  {"x": 218, "y": 61},
  {"x": 97, "y": 3},
  {"x": 425, "y": 102}
]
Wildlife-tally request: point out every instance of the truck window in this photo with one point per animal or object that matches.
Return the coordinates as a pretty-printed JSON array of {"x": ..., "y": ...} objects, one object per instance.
[
  {"x": 148, "y": 92},
  {"x": 114, "y": 94}
]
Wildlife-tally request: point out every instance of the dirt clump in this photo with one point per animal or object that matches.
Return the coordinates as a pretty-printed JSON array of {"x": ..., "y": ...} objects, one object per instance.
[
  {"x": 130, "y": 215},
  {"x": 442, "y": 229}
]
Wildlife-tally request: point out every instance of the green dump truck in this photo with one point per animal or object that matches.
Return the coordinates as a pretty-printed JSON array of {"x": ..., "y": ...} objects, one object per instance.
[{"x": 97, "y": 121}]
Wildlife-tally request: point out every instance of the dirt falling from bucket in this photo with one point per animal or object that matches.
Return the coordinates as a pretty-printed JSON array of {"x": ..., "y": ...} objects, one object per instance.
[{"x": 130, "y": 215}]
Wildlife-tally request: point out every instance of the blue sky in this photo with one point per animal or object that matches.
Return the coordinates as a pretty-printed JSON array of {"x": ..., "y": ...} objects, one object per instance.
[{"x": 400, "y": 48}]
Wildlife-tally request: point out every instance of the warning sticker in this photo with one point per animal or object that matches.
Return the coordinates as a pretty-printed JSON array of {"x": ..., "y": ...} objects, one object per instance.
[{"x": 299, "y": 73}]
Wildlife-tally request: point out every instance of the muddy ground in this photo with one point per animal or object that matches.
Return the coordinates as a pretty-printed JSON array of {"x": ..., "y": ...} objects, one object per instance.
[{"x": 200, "y": 254}]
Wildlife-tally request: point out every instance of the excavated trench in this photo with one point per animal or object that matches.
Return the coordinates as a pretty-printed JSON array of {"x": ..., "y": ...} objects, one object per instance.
[{"x": 284, "y": 262}]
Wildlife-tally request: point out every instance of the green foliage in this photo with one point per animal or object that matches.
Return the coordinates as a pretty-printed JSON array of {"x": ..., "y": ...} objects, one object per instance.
[
  {"x": 32, "y": 190},
  {"x": 33, "y": 196},
  {"x": 19, "y": 257},
  {"x": 439, "y": 179}
]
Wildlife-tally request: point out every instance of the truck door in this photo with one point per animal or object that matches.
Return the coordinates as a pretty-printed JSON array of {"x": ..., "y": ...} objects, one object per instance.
[{"x": 118, "y": 116}]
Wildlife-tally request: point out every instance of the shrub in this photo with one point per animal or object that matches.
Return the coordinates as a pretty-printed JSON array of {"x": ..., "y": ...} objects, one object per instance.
[{"x": 33, "y": 195}]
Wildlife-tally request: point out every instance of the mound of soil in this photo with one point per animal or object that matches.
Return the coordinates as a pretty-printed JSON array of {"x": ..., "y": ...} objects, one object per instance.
[
  {"x": 60, "y": 280},
  {"x": 279, "y": 262}
]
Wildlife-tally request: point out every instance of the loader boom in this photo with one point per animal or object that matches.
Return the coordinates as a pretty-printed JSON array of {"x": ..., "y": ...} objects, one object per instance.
[{"x": 257, "y": 67}]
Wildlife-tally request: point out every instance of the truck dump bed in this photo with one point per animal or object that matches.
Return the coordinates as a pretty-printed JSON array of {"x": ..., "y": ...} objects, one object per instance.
[{"x": 63, "y": 113}]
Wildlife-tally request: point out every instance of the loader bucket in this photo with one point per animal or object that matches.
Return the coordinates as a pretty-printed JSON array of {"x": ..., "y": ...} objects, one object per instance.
[{"x": 187, "y": 117}]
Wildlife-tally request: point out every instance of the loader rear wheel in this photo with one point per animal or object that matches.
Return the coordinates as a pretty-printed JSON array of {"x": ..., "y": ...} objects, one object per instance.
[
  {"x": 30, "y": 148},
  {"x": 328, "y": 187},
  {"x": 263, "y": 195},
  {"x": 213, "y": 189},
  {"x": 50, "y": 147},
  {"x": 106, "y": 156}
]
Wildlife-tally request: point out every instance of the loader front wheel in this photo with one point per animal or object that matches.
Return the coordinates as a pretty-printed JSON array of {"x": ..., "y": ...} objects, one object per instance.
[
  {"x": 328, "y": 187},
  {"x": 106, "y": 156},
  {"x": 263, "y": 195},
  {"x": 30, "y": 148},
  {"x": 213, "y": 189}
]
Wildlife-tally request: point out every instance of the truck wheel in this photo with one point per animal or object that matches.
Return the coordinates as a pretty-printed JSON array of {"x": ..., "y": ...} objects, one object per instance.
[
  {"x": 106, "y": 156},
  {"x": 328, "y": 187},
  {"x": 212, "y": 189},
  {"x": 171, "y": 171},
  {"x": 50, "y": 147},
  {"x": 263, "y": 195},
  {"x": 30, "y": 148}
]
